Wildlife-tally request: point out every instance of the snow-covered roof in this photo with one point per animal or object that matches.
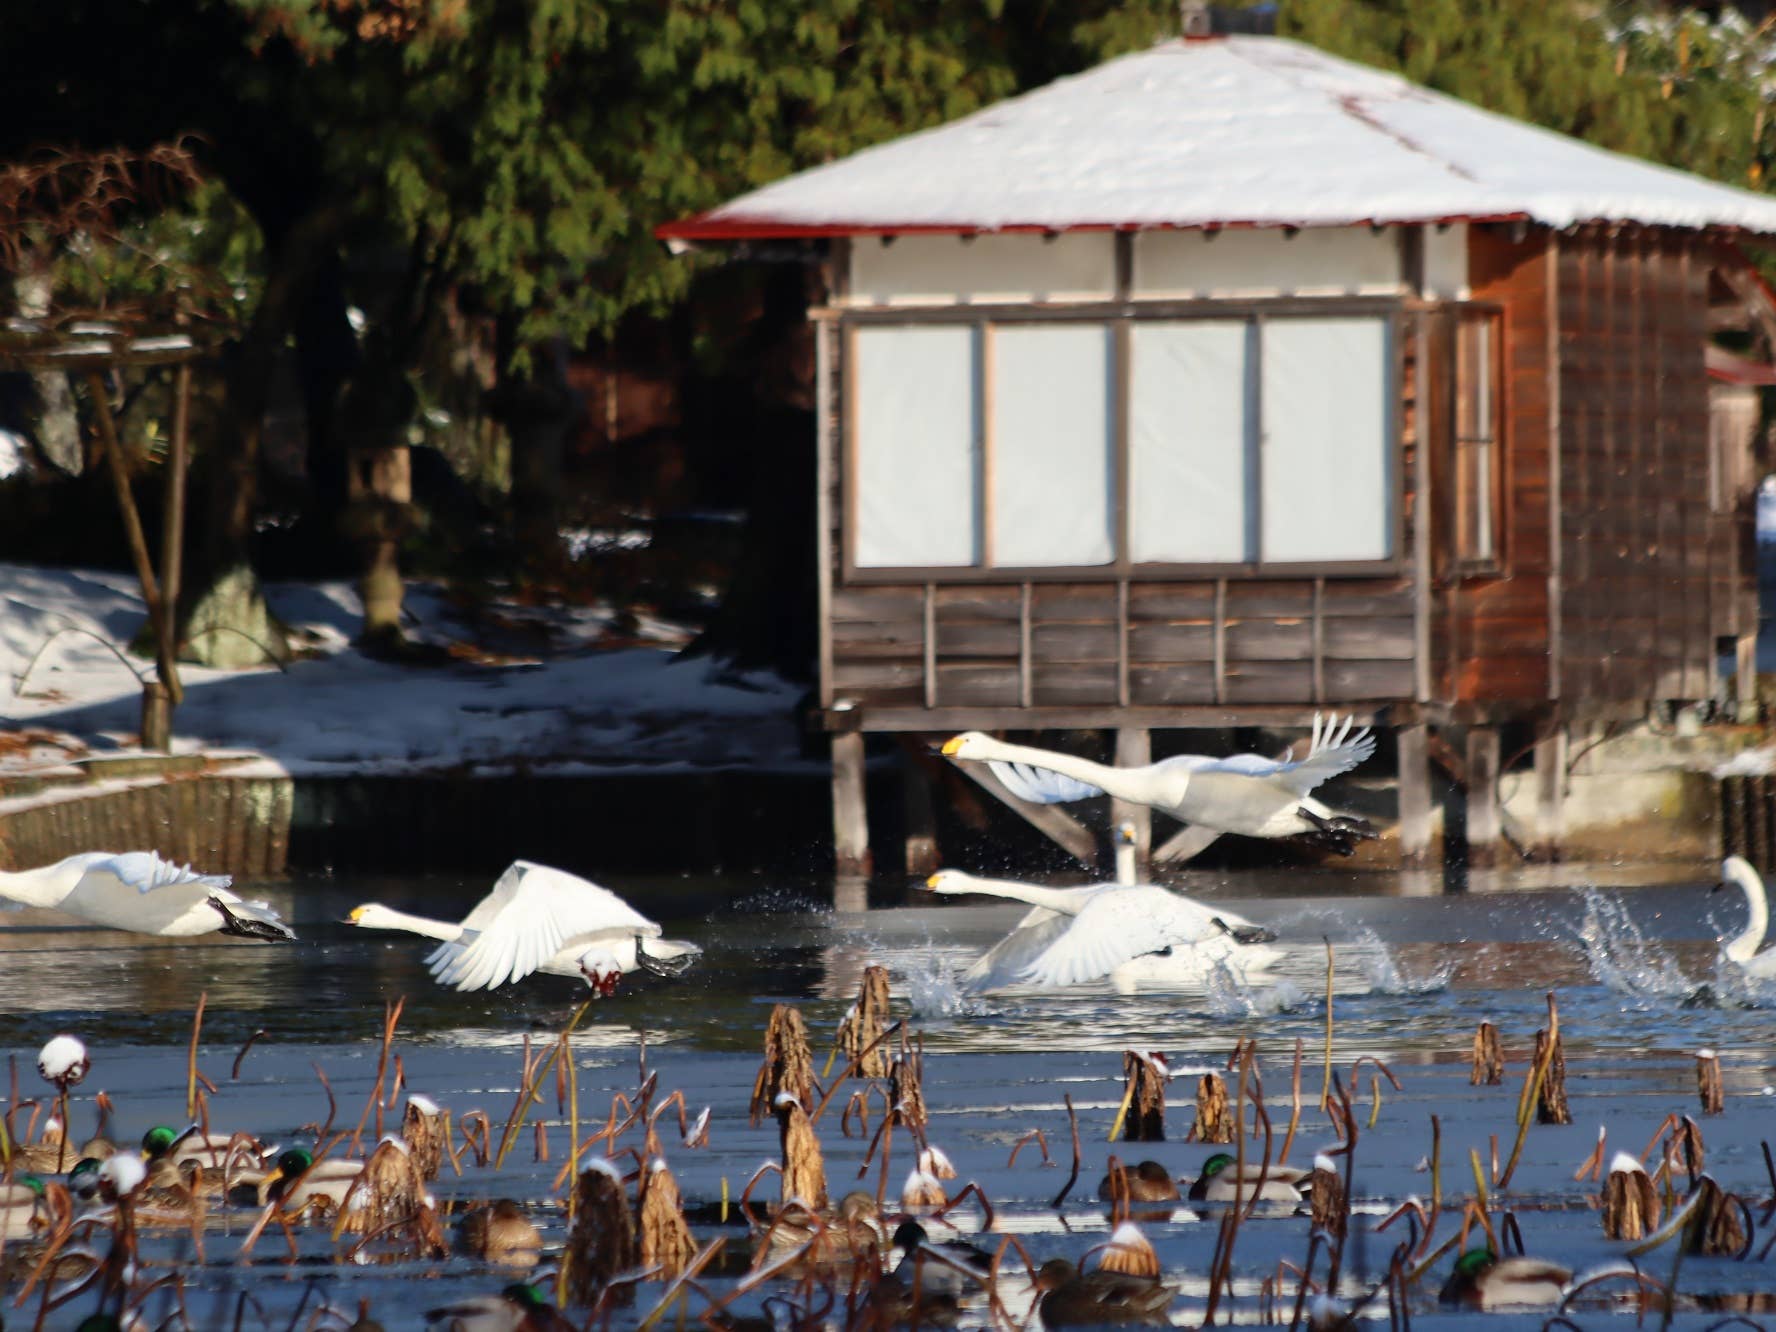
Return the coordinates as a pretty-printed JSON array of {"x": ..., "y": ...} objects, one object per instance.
[{"x": 1234, "y": 131}]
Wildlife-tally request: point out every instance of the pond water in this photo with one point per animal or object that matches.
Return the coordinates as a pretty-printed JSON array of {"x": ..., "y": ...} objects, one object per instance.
[{"x": 1633, "y": 968}]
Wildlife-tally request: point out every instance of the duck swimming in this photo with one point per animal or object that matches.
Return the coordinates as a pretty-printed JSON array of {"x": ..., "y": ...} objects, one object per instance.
[{"x": 1221, "y": 1181}]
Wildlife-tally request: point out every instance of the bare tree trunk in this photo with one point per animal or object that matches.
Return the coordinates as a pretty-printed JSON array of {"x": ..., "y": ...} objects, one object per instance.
[
  {"x": 228, "y": 623},
  {"x": 538, "y": 409},
  {"x": 58, "y": 425}
]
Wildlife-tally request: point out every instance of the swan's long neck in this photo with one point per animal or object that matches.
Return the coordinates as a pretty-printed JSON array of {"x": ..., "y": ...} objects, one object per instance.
[
  {"x": 1064, "y": 900},
  {"x": 1745, "y": 944},
  {"x": 390, "y": 919},
  {"x": 1125, "y": 863},
  {"x": 44, "y": 886},
  {"x": 1121, "y": 782}
]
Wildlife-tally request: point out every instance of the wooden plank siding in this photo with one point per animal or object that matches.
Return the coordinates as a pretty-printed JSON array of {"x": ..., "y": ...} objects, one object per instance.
[
  {"x": 1613, "y": 577},
  {"x": 1641, "y": 547},
  {"x": 1491, "y": 634}
]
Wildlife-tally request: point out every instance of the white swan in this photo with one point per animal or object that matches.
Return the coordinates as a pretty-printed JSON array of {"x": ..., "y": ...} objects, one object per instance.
[
  {"x": 1743, "y": 947},
  {"x": 1243, "y": 793},
  {"x": 1074, "y": 935},
  {"x": 140, "y": 892},
  {"x": 538, "y": 919}
]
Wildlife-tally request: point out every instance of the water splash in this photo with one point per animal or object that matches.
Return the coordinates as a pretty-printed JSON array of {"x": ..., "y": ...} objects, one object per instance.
[
  {"x": 1622, "y": 959},
  {"x": 1387, "y": 976},
  {"x": 936, "y": 990},
  {"x": 1228, "y": 993}
]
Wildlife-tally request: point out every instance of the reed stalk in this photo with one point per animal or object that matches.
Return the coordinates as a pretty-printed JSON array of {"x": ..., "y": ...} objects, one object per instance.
[
  {"x": 191, "y": 1057},
  {"x": 529, "y": 1094}
]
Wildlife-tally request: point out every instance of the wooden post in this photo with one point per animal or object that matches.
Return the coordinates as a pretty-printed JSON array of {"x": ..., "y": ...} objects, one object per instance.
[
  {"x": 1134, "y": 749},
  {"x": 1482, "y": 796},
  {"x": 157, "y": 717},
  {"x": 921, "y": 822},
  {"x": 1550, "y": 786},
  {"x": 1415, "y": 795},
  {"x": 851, "y": 853},
  {"x": 1745, "y": 678}
]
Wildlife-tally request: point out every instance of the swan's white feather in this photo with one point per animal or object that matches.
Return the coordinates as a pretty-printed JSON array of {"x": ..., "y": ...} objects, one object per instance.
[
  {"x": 531, "y": 915},
  {"x": 1039, "y": 786},
  {"x": 1004, "y": 963},
  {"x": 1116, "y": 926},
  {"x": 133, "y": 890},
  {"x": 144, "y": 871}
]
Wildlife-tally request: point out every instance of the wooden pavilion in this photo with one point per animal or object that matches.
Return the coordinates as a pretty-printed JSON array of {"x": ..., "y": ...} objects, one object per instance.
[{"x": 1229, "y": 381}]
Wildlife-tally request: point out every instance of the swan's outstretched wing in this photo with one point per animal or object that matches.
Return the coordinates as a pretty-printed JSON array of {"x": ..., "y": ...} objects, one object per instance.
[
  {"x": 529, "y": 916},
  {"x": 1333, "y": 750},
  {"x": 1004, "y": 963},
  {"x": 144, "y": 871},
  {"x": 1117, "y": 927},
  {"x": 1039, "y": 786}
]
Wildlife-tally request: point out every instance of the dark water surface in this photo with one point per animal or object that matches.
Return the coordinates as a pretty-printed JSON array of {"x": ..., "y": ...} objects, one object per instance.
[{"x": 1412, "y": 975}]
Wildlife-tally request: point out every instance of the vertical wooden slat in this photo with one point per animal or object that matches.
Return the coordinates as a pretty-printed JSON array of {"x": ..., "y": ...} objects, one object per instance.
[
  {"x": 1122, "y": 642},
  {"x": 1422, "y": 530},
  {"x": 1319, "y": 641},
  {"x": 988, "y": 441},
  {"x": 1256, "y": 478},
  {"x": 1555, "y": 637},
  {"x": 1120, "y": 425},
  {"x": 851, "y": 852},
  {"x": 824, "y": 333},
  {"x": 1220, "y": 640},
  {"x": 1026, "y": 675},
  {"x": 1550, "y": 785},
  {"x": 929, "y": 653}
]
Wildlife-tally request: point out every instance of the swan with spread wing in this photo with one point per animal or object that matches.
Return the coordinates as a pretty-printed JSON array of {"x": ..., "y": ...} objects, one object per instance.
[
  {"x": 538, "y": 918},
  {"x": 140, "y": 892},
  {"x": 1243, "y": 793}
]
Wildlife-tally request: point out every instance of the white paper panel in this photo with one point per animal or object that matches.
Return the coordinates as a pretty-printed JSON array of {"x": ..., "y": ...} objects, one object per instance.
[
  {"x": 920, "y": 270},
  {"x": 1190, "y": 423},
  {"x": 1051, "y": 454},
  {"x": 918, "y": 480},
  {"x": 1319, "y": 261},
  {"x": 1328, "y": 485}
]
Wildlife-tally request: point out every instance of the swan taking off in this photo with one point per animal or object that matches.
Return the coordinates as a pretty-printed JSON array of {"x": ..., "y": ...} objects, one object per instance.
[
  {"x": 1076, "y": 935},
  {"x": 1243, "y": 793},
  {"x": 539, "y": 919},
  {"x": 1743, "y": 947},
  {"x": 140, "y": 892}
]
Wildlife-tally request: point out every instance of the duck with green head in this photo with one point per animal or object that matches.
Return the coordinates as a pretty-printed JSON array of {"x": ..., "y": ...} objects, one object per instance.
[
  {"x": 22, "y": 1207},
  {"x": 1482, "y": 1280},
  {"x": 1068, "y": 1297},
  {"x": 219, "y": 1160},
  {"x": 520, "y": 1307},
  {"x": 298, "y": 1181},
  {"x": 1221, "y": 1181}
]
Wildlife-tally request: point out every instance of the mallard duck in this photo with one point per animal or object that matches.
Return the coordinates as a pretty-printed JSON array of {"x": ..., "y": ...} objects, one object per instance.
[
  {"x": 1217, "y": 1182},
  {"x": 1146, "y": 1182},
  {"x": 951, "y": 1265},
  {"x": 298, "y": 1181},
  {"x": 22, "y": 1209},
  {"x": 1482, "y": 1280},
  {"x": 500, "y": 1233},
  {"x": 1071, "y": 1298},
  {"x": 517, "y": 1308},
  {"x": 1245, "y": 793},
  {"x": 852, "y": 1229},
  {"x": 220, "y": 1160},
  {"x": 891, "y": 1302},
  {"x": 139, "y": 892},
  {"x": 83, "y": 1179},
  {"x": 538, "y": 919}
]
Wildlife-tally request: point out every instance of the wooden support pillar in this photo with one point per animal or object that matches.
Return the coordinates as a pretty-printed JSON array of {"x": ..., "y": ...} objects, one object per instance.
[
  {"x": 1414, "y": 781},
  {"x": 1745, "y": 678},
  {"x": 1484, "y": 827},
  {"x": 1134, "y": 749},
  {"x": 1550, "y": 787},
  {"x": 851, "y": 850},
  {"x": 921, "y": 822}
]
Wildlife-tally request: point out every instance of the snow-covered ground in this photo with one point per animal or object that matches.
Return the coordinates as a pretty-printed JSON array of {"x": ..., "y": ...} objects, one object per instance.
[{"x": 572, "y": 705}]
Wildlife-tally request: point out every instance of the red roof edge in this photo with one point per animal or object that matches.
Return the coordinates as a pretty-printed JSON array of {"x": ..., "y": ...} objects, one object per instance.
[{"x": 707, "y": 227}]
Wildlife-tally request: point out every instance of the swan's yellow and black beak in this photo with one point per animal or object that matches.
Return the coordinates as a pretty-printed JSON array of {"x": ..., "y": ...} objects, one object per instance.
[
  {"x": 951, "y": 746},
  {"x": 931, "y": 882},
  {"x": 356, "y": 914}
]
